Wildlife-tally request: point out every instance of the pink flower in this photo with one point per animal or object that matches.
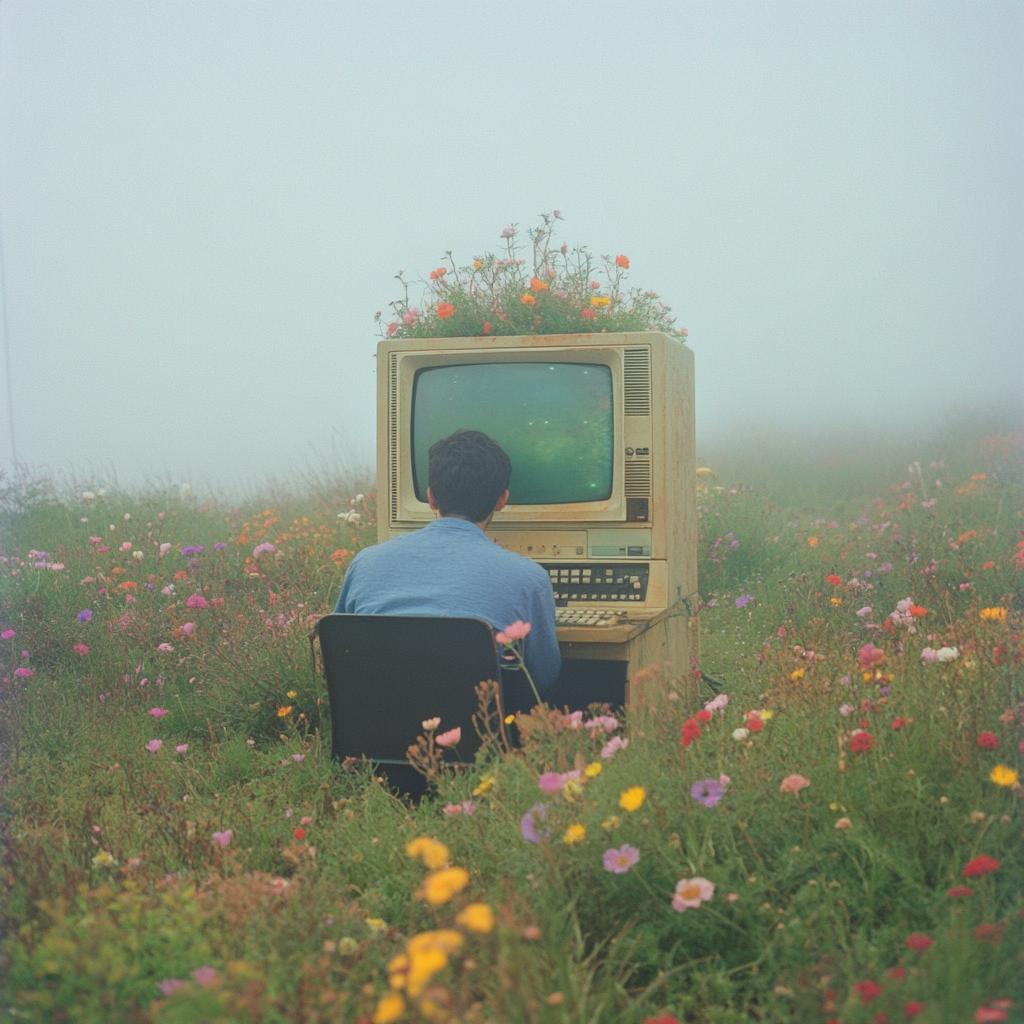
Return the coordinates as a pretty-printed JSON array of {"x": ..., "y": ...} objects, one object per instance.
[
  {"x": 619, "y": 861},
  {"x": 718, "y": 704},
  {"x": 306, "y": 821},
  {"x": 168, "y": 985},
  {"x": 164, "y": 548},
  {"x": 166, "y": 648},
  {"x": 80, "y": 649},
  {"x": 508, "y": 232},
  {"x": 154, "y": 745},
  {"x": 223, "y": 837},
  {"x": 575, "y": 719},
  {"x": 613, "y": 746},
  {"x": 189, "y": 628},
  {"x": 207, "y": 975},
  {"x": 126, "y": 546},
  {"x": 181, "y": 748},
  {"x": 168, "y": 590},
  {"x": 516, "y": 631},
  {"x": 8, "y": 634},
  {"x": 929, "y": 655},
  {"x": 846, "y": 710},
  {"x": 691, "y": 893},
  {"x": 197, "y": 601},
  {"x": 606, "y": 722},
  {"x": 159, "y": 712},
  {"x": 261, "y": 548},
  {"x": 870, "y": 655},
  {"x": 452, "y": 809},
  {"x": 24, "y": 673},
  {"x": 550, "y": 782},
  {"x": 864, "y": 612},
  {"x": 410, "y": 316},
  {"x": 298, "y": 757},
  {"x": 793, "y": 784},
  {"x": 449, "y": 738}
]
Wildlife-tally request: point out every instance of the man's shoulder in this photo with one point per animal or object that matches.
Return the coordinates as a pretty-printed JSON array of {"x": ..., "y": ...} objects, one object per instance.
[{"x": 521, "y": 566}]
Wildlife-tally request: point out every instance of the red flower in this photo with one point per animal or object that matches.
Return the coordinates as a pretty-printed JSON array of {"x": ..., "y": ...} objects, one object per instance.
[
  {"x": 913, "y": 1009},
  {"x": 919, "y": 941},
  {"x": 896, "y": 973},
  {"x": 864, "y": 723},
  {"x": 754, "y": 724},
  {"x": 960, "y": 890},
  {"x": 861, "y": 741},
  {"x": 299, "y": 833},
  {"x": 980, "y": 866},
  {"x": 988, "y": 741},
  {"x": 880, "y": 1018},
  {"x": 691, "y": 731},
  {"x": 990, "y": 933},
  {"x": 622, "y": 261},
  {"x": 703, "y": 715},
  {"x": 917, "y": 611},
  {"x": 989, "y": 1013},
  {"x": 588, "y": 314},
  {"x": 445, "y": 310},
  {"x": 836, "y": 581},
  {"x": 665, "y": 1018},
  {"x": 487, "y": 327},
  {"x": 870, "y": 655},
  {"x": 436, "y": 275},
  {"x": 898, "y": 723},
  {"x": 868, "y": 991}
]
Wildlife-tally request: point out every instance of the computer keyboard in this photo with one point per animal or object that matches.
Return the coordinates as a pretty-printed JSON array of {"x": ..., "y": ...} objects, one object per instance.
[{"x": 585, "y": 617}]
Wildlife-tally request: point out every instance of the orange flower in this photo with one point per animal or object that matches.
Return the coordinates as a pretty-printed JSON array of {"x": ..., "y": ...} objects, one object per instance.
[
  {"x": 538, "y": 285},
  {"x": 917, "y": 611},
  {"x": 445, "y": 310},
  {"x": 127, "y": 585},
  {"x": 622, "y": 261},
  {"x": 966, "y": 536},
  {"x": 284, "y": 712},
  {"x": 589, "y": 314},
  {"x": 527, "y": 300},
  {"x": 436, "y": 275},
  {"x": 835, "y": 580},
  {"x": 813, "y": 541}
]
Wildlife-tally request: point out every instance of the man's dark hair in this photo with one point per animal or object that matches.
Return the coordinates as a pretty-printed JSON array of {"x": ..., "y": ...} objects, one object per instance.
[{"x": 467, "y": 473}]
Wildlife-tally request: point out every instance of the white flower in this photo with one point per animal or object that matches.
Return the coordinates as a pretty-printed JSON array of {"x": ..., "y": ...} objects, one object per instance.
[
  {"x": 740, "y": 734},
  {"x": 947, "y": 654},
  {"x": 101, "y": 493},
  {"x": 87, "y": 496},
  {"x": 127, "y": 516},
  {"x": 138, "y": 555},
  {"x": 360, "y": 497}
]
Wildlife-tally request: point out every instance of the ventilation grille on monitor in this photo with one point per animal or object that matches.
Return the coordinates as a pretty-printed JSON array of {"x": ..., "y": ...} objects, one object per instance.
[
  {"x": 636, "y": 372},
  {"x": 393, "y": 434},
  {"x": 638, "y": 479}
]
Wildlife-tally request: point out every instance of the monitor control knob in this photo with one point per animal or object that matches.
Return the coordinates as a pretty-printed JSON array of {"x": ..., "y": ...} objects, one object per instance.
[{"x": 629, "y": 453}]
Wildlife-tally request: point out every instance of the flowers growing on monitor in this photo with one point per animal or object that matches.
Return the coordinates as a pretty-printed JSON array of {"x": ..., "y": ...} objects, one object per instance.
[{"x": 530, "y": 285}]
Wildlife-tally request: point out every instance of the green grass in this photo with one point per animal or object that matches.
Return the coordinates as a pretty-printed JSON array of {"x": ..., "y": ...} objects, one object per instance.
[{"x": 112, "y": 882}]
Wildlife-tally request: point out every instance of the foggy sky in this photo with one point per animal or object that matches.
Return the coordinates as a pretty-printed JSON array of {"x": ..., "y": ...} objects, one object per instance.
[{"x": 204, "y": 204}]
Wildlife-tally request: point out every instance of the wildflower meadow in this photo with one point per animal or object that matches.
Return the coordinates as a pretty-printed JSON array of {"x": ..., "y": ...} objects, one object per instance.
[{"x": 825, "y": 828}]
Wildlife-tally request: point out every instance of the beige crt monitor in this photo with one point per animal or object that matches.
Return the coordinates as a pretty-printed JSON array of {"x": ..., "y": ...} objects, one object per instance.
[{"x": 615, "y": 523}]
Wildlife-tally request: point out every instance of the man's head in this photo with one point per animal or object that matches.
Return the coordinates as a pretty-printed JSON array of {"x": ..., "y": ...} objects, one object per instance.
[{"x": 468, "y": 476}]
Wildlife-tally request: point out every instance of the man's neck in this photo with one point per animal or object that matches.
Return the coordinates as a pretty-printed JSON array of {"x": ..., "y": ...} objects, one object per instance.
[{"x": 483, "y": 526}]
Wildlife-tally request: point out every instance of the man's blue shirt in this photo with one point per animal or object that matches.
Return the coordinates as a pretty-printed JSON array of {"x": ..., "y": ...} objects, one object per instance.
[{"x": 450, "y": 568}]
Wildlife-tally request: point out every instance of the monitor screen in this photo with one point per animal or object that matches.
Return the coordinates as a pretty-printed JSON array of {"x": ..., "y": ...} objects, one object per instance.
[{"x": 555, "y": 421}]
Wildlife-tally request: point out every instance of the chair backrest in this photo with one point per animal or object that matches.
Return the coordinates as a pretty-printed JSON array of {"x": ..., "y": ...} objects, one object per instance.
[{"x": 386, "y": 674}]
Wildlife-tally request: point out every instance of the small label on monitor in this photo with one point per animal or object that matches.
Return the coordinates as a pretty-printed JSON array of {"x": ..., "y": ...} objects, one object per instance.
[{"x": 619, "y": 543}]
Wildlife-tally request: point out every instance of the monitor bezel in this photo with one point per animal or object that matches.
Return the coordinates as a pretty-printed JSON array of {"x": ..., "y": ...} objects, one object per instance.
[{"x": 612, "y": 509}]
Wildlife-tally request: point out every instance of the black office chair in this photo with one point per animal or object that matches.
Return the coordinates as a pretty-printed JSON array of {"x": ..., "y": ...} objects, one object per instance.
[{"x": 386, "y": 674}]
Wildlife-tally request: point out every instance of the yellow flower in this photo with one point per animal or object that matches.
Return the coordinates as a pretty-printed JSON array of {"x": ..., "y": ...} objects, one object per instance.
[
  {"x": 389, "y": 1009},
  {"x": 600, "y": 301},
  {"x": 632, "y": 798},
  {"x": 993, "y": 614},
  {"x": 485, "y": 784},
  {"x": 574, "y": 834},
  {"x": 1000, "y": 775},
  {"x": 509, "y": 719},
  {"x": 440, "y": 886},
  {"x": 291, "y": 694},
  {"x": 445, "y": 939},
  {"x": 284, "y": 712},
  {"x": 527, "y": 300},
  {"x": 477, "y": 917},
  {"x": 798, "y": 674},
  {"x": 592, "y": 769},
  {"x": 377, "y": 925},
  {"x": 836, "y": 600},
  {"x": 423, "y": 965},
  {"x": 430, "y": 851},
  {"x": 765, "y": 715},
  {"x": 103, "y": 860},
  {"x": 703, "y": 471},
  {"x": 572, "y": 788},
  {"x": 611, "y": 823}
]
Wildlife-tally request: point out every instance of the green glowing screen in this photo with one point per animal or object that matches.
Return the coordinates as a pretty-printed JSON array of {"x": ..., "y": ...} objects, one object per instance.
[{"x": 555, "y": 421}]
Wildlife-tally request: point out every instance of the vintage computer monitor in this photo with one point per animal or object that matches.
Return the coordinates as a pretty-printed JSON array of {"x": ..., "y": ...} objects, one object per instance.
[{"x": 600, "y": 432}]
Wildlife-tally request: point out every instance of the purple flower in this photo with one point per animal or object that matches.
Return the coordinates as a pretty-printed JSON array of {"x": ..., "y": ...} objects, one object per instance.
[
  {"x": 298, "y": 757},
  {"x": 707, "y": 792},
  {"x": 151, "y": 586},
  {"x": 266, "y": 546},
  {"x": 220, "y": 545},
  {"x": 223, "y": 838},
  {"x": 205, "y": 975},
  {"x": 8, "y": 634},
  {"x": 159, "y": 712},
  {"x": 181, "y": 748},
  {"x": 154, "y": 745},
  {"x": 193, "y": 549},
  {"x": 550, "y": 782},
  {"x": 84, "y": 615},
  {"x": 196, "y": 601},
  {"x": 734, "y": 543},
  {"x": 745, "y": 599},
  {"x": 23, "y": 672},
  {"x": 528, "y": 823},
  {"x": 168, "y": 985},
  {"x": 613, "y": 746},
  {"x": 619, "y": 861},
  {"x": 885, "y": 567}
]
